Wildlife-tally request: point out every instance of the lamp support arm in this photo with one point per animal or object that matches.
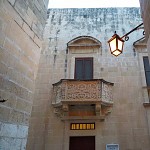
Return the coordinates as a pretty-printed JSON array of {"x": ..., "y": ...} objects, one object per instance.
[{"x": 131, "y": 31}]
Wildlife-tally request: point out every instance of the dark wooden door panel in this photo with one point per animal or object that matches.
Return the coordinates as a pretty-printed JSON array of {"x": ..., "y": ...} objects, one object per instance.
[
  {"x": 79, "y": 67},
  {"x": 84, "y": 68},
  {"x": 82, "y": 143},
  {"x": 147, "y": 69},
  {"x": 88, "y": 69}
]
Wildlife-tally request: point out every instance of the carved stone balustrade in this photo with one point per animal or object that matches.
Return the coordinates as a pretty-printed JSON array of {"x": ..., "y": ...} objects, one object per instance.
[{"x": 81, "y": 98}]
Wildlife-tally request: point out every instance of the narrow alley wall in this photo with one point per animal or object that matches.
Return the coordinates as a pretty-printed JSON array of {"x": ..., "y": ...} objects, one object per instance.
[
  {"x": 21, "y": 33},
  {"x": 127, "y": 121}
]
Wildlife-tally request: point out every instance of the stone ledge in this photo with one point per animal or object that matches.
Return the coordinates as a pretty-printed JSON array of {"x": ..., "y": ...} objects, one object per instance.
[{"x": 70, "y": 118}]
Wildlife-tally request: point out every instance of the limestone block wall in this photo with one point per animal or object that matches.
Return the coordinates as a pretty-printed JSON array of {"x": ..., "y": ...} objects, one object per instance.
[
  {"x": 42, "y": 108},
  {"x": 145, "y": 11},
  {"x": 145, "y": 5},
  {"x": 21, "y": 31},
  {"x": 64, "y": 25},
  {"x": 127, "y": 124}
]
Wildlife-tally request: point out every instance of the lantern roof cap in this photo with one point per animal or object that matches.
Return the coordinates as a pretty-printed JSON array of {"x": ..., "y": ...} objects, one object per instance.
[{"x": 115, "y": 36}]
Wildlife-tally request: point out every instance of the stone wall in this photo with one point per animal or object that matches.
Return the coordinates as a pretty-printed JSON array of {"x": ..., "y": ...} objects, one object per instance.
[
  {"x": 21, "y": 31},
  {"x": 127, "y": 124},
  {"x": 64, "y": 25},
  {"x": 145, "y": 5},
  {"x": 145, "y": 11}
]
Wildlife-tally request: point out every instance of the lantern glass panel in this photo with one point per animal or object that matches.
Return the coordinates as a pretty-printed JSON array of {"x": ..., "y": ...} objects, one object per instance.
[
  {"x": 120, "y": 44},
  {"x": 116, "y": 53},
  {"x": 113, "y": 45}
]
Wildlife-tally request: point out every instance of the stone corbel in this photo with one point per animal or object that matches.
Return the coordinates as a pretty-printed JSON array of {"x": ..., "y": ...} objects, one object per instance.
[
  {"x": 58, "y": 111},
  {"x": 65, "y": 109},
  {"x": 106, "y": 110},
  {"x": 98, "y": 109}
]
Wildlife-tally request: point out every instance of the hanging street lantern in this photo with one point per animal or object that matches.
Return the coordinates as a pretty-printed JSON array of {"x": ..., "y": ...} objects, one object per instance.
[{"x": 116, "y": 45}]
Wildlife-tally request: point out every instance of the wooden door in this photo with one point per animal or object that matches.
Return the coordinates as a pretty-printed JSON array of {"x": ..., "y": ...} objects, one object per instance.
[
  {"x": 84, "y": 68},
  {"x": 82, "y": 143},
  {"x": 147, "y": 69}
]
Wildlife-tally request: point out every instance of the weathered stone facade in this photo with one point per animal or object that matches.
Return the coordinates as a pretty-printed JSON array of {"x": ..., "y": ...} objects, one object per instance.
[
  {"x": 145, "y": 11},
  {"x": 21, "y": 30},
  {"x": 126, "y": 124},
  {"x": 30, "y": 66}
]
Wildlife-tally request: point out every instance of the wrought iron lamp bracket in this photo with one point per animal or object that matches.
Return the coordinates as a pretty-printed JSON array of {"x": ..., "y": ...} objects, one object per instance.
[{"x": 136, "y": 28}]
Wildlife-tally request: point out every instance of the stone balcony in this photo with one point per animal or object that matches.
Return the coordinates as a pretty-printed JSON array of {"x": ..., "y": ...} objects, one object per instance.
[{"x": 82, "y": 99}]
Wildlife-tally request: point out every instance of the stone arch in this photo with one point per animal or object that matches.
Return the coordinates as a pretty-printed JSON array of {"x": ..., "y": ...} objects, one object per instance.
[{"x": 84, "y": 41}]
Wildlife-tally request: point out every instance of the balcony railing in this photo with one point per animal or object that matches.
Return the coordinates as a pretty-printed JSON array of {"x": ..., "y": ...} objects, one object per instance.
[
  {"x": 85, "y": 91},
  {"x": 82, "y": 99}
]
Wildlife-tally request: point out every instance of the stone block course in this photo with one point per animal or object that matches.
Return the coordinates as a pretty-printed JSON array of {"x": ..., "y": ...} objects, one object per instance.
[
  {"x": 28, "y": 30},
  {"x": 24, "y": 106},
  {"x": 11, "y": 99},
  {"x": 19, "y": 58},
  {"x": 12, "y": 2},
  {"x": 21, "y": 7},
  {"x": 2, "y": 38},
  {"x": 5, "y": 113},
  {"x": 16, "y": 117},
  {"x": 15, "y": 135},
  {"x": 37, "y": 41},
  {"x": 10, "y": 46},
  {"x": 12, "y": 14}
]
